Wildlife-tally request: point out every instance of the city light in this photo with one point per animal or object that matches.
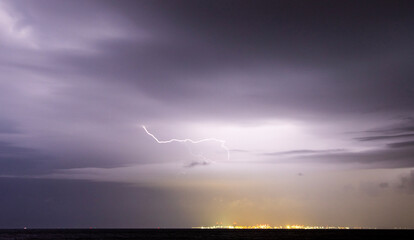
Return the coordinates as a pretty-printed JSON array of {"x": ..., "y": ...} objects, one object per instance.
[{"x": 267, "y": 226}]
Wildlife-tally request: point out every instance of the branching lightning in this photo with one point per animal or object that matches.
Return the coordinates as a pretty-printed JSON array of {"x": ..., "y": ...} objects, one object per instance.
[{"x": 222, "y": 142}]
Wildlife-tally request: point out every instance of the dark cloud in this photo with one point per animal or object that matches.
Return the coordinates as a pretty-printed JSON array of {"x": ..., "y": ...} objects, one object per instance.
[
  {"x": 303, "y": 152},
  {"x": 91, "y": 77},
  {"x": 198, "y": 163},
  {"x": 401, "y": 144},
  {"x": 271, "y": 33},
  {"x": 78, "y": 78},
  {"x": 23, "y": 161},
  {"x": 392, "y": 157},
  {"x": 15, "y": 160},
  {"x": 284, "y": 54},
  {"x": 385, "y": 137},
  {"x": 51, "y": 203},
  {"x": 380, "y": 158},
  {"x": 384, "y": 185},
  {"x": 403, "y": 129},
  {"x": 7, "y": 149},
  {"x": 404, "y": 126}
]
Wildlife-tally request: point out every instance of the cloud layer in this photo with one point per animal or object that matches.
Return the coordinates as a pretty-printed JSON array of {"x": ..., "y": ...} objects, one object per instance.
[{"x": 291, "y": 83}]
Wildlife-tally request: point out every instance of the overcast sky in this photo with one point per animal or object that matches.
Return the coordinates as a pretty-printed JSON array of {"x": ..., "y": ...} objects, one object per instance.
[{"x": 314, "y": 100}]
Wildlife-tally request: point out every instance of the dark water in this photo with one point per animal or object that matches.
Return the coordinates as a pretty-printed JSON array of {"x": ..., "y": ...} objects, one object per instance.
[{"x": 204, "y": 234}]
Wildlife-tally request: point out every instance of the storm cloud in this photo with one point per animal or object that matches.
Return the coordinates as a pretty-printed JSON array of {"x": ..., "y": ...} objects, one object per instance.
[{"x": 289, "y": 83}]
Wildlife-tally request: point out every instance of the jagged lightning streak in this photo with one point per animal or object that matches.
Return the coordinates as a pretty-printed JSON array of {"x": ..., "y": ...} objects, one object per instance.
[{"x": 222, "y": 142}]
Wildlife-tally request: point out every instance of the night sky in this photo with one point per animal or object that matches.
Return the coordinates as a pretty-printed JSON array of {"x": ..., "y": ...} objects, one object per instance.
[{"x": 314, "y": 100}]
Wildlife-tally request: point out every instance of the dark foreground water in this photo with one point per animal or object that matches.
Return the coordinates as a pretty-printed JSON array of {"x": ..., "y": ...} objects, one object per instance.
[{"x": 203, "y": 234}]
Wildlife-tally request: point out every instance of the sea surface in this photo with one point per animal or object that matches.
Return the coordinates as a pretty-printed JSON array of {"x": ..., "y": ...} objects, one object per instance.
[{"x": 203, "y": 234}]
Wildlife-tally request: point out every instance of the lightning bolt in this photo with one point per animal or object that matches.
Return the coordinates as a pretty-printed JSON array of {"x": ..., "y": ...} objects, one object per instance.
[{"x": 222, "y": 142}]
